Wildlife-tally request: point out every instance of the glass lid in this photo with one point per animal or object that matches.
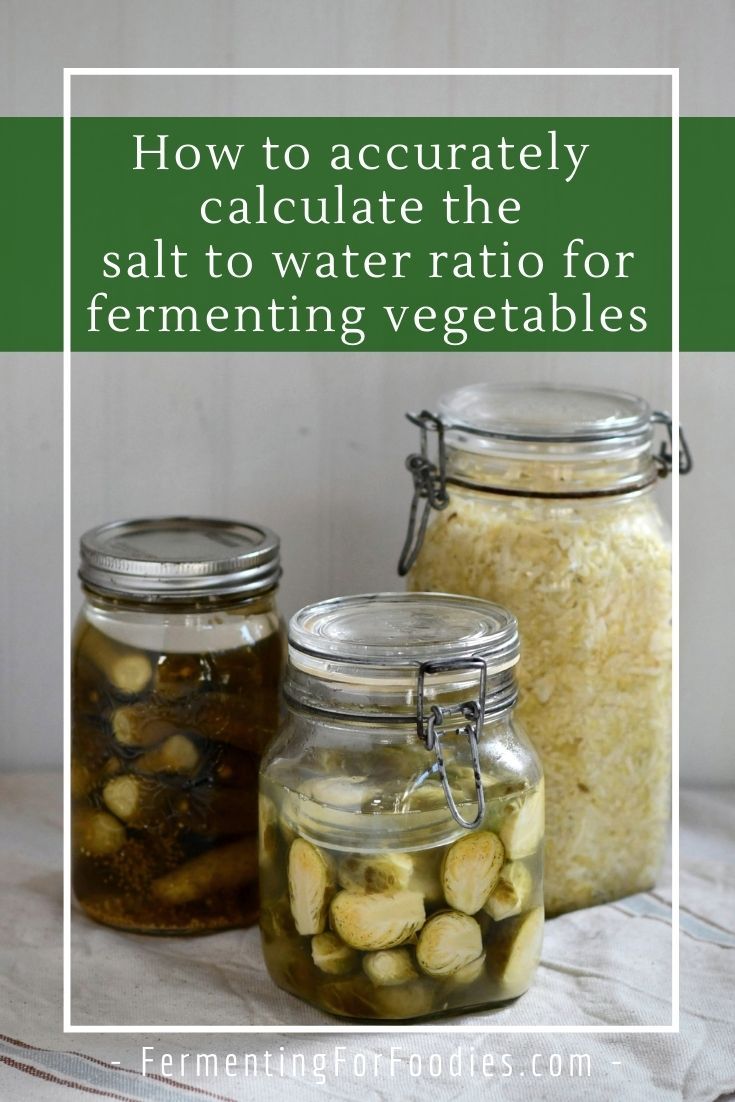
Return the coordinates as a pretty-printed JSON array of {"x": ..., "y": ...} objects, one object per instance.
[
  {"x": 177, "y": 558},
  {"x": 544, "y": 412},
  {"x": 399, "y": 631}
]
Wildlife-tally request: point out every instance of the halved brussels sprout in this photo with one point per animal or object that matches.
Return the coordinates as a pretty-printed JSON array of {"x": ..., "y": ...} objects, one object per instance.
[
  {"x": 523, "y": 828},
  {"x": 379, "y": 920},
  {"x": 512, "y": 891},
  {"x": 470, "y": 870},
  {"x": 449, "y": 941},
  {"x": 267, "y": 829},
  {"x": 388, "y": 967},
  {"x": 332, "y": 955},
  {"x": 310, "y": 886},
  {"x": 520, "y": 954},
  {"x": 385, "y": 872},
  {"x": 350, "y": 998}
]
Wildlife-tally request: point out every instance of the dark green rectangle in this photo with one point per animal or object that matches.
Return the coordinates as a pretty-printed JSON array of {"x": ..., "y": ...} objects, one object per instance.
[
  {"x": 707, "y": 238},
  {"x": 619, "y": 200},
  {"x": 31, "y": 228}
]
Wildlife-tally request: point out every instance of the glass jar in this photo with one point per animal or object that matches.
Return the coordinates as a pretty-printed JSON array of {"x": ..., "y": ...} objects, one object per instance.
[
  {"x": 401, "y": 812},
  {"x": 176, "y": 668},
  {"x": 541, "y": 499}
]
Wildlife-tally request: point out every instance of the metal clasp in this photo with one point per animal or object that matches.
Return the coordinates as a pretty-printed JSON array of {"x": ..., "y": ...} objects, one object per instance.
[
  {"x": 429, "y": 485},
  {"x": 431, "y": 729},
  {"x": 664, "y": 458}
]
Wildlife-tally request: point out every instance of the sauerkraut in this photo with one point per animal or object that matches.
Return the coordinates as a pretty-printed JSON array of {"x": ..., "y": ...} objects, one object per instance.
[{"x": 590, "y": 584}]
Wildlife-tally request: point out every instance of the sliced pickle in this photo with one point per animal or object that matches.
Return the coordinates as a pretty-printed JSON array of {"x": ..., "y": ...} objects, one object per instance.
[
  {"x": 218, "y": 870},
  {"x": 377, "y": 920},
  {"x": 470, "y": 870},
  {"x": 142, "y": 725},
  {"x": 388, "y": 967},
  {"x": 138, "y": 801},
  {"x": 382, "y": 873},
  {"x": 449, "y": 941},
  {"x": 332, "y": 955},
  {"x": 176, "y": 754},
  {"x": 512, "y": 891},
  {"x": 310, "y": 886},
  {"x": 97, "y": 834},
  {"x": 126, "y": 670},
  {"x": 517, "y": 956},
  {"x": 523, "y": 828}
]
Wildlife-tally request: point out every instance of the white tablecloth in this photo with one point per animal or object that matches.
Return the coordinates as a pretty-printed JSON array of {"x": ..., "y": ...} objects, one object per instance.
[{"x": 607, "y": 966}]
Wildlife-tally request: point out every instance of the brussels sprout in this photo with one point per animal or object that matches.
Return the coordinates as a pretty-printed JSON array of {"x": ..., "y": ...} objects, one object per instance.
[
  {"x": 276, "y": 921},
  {"x": 267, "y": 829},
  {"x": 332, "y": 955},
  {"x": 523, "y": 828},
  {"x": 426, "y": 876},
  {"x": 468, "y": 973},
  {"x": 470, "y": 870},
  {"x": 512, "y": 891},
  {"x": 379, "y": 920},
  {"x": 382, "y": 873},
  {"x": 428, "y": 797},
  {"x": 96, "y": 834},
  {"x": 516, "y": 957},
  {"x": 341, "y": 792},
  {"x": 310, "y": 886},
  {"x": 350, "y": 998},
  {"x": 388, "y": 967},
  {"x": 409, "y": 1000},
  {"x": 218, "y": 870},
  {"x": 448, "y": 942}
]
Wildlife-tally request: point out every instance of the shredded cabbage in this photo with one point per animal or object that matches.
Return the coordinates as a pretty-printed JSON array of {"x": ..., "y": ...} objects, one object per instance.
[{"x": 590, "y": 584}]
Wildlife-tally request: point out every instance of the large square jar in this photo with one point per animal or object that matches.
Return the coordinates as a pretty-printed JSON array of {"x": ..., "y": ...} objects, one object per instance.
[{"x": 540, "y": 498}]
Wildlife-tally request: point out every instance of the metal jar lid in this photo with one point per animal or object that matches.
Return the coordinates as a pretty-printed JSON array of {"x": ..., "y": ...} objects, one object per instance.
[{"x": 179, "y": 558}]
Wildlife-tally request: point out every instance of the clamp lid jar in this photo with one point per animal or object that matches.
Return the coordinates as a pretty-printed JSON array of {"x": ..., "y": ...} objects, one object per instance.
[
  {"x": 540, "y": 497},
  {"x": 401, "y": 811}
]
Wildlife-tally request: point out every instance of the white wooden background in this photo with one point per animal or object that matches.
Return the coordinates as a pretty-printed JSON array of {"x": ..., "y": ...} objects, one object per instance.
[{"x": 314, "y": 445}]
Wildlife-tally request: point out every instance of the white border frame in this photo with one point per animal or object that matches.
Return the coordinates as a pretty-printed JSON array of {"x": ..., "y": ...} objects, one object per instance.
[{"x": 673, "y": 74}]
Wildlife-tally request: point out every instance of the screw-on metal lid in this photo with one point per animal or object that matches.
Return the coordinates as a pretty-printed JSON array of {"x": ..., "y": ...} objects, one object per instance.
[{"x": 179, "y": 558}]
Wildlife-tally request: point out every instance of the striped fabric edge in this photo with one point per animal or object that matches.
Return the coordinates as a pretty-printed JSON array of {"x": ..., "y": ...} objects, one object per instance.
[
  {"x": 695, "y": 926},
  {"x": 87, "y": 1074}
]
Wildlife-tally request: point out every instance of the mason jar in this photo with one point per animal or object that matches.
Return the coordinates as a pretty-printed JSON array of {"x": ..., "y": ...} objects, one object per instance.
[
  {"x": 176, "y": 669},
  {"x": 541, "y": 498},
  {"x": 401, "y": 812}
]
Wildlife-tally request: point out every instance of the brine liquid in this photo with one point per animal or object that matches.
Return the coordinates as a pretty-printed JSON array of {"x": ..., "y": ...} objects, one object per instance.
[
  {"x": 165, "y": 757},
  {"x": 346, "y": 915}
]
